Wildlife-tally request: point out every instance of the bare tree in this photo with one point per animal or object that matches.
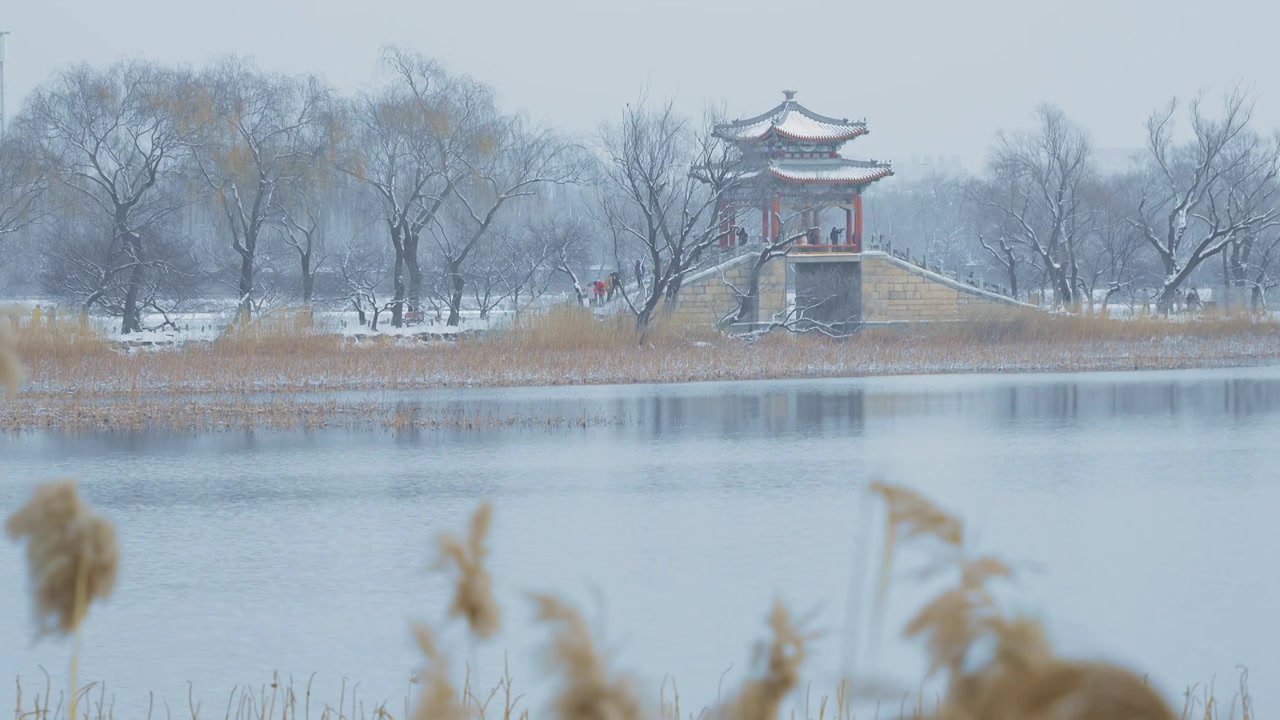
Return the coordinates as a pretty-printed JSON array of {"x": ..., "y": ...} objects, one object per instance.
[
  {"x": 1265, "y": 276},
  {"x": 1111, "y": 254},
  {"x": 309, "y": 213},
  {"x": 1202, "y": 196},
  {"x": 257, "y": 141},
  {"x": 568, "y": 239},
  {"x": 933, "y": 214},
  {"x": 1036, "y": 181},
  {"x": 364, "y": 270},
  {"x": 407, "y": 146},
  {"x": 110, "y": 136},
  {"x": 1006, "y": 258},
  {"x": 747, "y": 300},
  {"x": 23, "y": 182},
  {"x": 663, "y": 183},
  {"x": 509, "y": 161}
]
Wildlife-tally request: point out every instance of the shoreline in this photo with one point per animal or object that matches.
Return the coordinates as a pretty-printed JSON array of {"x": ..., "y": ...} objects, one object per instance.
[{"x": 154, "y": 396}]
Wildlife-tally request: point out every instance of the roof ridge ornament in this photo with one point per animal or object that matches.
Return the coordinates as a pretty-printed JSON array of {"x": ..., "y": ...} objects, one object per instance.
[{"x": 789, "y": 95}]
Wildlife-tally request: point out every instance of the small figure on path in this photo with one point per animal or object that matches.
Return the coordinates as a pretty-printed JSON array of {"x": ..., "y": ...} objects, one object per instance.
[
  {"x": 1193, "y": 300},
  {"x": 639, "y": 271},
  {"x": 836, "y": 232},
  {"x": 600, "y": 292},
  {"x": 614, "y": 285},
  {"x": 741, "y": 236}
]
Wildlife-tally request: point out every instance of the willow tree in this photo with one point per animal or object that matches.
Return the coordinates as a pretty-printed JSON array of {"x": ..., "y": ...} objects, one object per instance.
[
  {"x": 113, "y": 139},
  {"x": 404, "y": 143},
  {"x": 256, "y": 141}
]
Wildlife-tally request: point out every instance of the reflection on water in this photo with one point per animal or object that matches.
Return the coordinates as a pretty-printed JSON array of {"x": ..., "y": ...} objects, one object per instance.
[{"x": 1147, "y": 499}]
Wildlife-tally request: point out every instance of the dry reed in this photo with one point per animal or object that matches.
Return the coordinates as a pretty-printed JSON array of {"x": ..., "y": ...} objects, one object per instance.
[
  {"x": 571, "y": 347},
  {"x": 761, "y": 697},
  {"x": 439, "y": 700},
  {"x": 473, "y": 594},
  {"x": 10, "y": 366},
  {"x": 589, "y": 690},
  {"x": 1024, "y": 680},
  {"x": 72, "y": 558}
]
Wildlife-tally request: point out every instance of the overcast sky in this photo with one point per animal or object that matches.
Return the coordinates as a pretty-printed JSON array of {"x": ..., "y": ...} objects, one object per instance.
[{"x": 932, "y": 78}]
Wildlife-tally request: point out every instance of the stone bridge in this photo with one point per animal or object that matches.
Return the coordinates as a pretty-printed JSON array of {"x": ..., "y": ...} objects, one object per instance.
[{"x": 840, "y": 290}]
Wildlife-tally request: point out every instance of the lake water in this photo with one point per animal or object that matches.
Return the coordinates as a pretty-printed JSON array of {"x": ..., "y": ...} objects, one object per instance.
[{"x": 1138, "y": 508}]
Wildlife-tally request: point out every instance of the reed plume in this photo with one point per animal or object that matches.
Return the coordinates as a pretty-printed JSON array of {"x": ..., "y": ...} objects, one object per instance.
[
  {"x": 761, "y": 697},
  {"x": 589, "y": 691},
  {"x": 910, "y": 516},
  {"x": 954, "y": 620},
  {"x": 10, "y": 368},
  {"x": 439, "y": 700},
  {"x": 473, "y": 597},
  {"x": 72, "y": 558},
  {"x": 1024, "y": 679}
]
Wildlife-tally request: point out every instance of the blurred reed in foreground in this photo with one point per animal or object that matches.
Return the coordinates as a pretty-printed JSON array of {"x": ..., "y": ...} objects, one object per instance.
[{"x": 73, "y": 560}]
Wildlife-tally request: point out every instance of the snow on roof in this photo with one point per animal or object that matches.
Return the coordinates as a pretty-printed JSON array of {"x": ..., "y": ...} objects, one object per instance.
[
  {"x": 793, "y": 121},
  {"x": 834, "y": 170},
  {"x": 840, "y": 171}
]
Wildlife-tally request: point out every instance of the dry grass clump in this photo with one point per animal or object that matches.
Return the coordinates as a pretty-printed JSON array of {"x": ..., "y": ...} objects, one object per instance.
[
  {"x": 10, "y": 366},
  {"x": 589, "y": 690},
  {"x": 571, "y": 346},
  {"x": 1008, "y": 326},
  {"x": 72, "y": 556},
  {"x": 473, "y": 594},
  {"x": 761, "y": 697},
  {"x": 573, "y": 329},
  {"x": 439, "y": 700},
  {"x": 1024, "y": 680},
  {"x": 275, "y": 341}
]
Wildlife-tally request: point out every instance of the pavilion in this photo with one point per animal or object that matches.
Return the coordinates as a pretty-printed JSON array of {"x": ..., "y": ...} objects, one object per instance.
[{"x": 790, "y": 162}]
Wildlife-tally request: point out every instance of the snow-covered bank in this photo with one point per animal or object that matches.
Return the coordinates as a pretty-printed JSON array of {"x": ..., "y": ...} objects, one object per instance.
[{"x": 199, "y": 386}]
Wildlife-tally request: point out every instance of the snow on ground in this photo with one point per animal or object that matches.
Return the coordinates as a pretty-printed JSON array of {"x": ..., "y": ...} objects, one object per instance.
[
  {"x": 214, "y": 318},
  {"x": 208, "y": 320}
]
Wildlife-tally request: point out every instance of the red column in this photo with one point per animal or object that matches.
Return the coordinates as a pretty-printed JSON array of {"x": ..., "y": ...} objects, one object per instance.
[
  {"x": 848, "y": 226},
  {"x": 776, "y": 219},
  {"x": 857, "y": 223}
]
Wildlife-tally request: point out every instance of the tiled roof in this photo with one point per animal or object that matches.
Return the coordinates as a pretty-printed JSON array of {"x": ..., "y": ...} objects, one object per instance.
[
  {"x": 829, "y": 171},
  {"x": 792, "y": 121},
  {"x": 838, "y": 171}
]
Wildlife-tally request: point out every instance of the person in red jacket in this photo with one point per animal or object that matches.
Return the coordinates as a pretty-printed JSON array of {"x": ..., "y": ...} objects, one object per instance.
[{"x": 600, "y": 292}]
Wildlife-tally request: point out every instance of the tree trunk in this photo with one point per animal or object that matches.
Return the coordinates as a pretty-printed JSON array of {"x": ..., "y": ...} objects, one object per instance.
[
  {"x": 308, "y": 279},
  {"x": 415, "y": 269},
  {"x": 456, "y": 285},
  {"x": 246, "y": 283},
  {"x": 397, "y": 299},
  {"x": 749, "y": 304},
  {"x": 132, "y": 321}
]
